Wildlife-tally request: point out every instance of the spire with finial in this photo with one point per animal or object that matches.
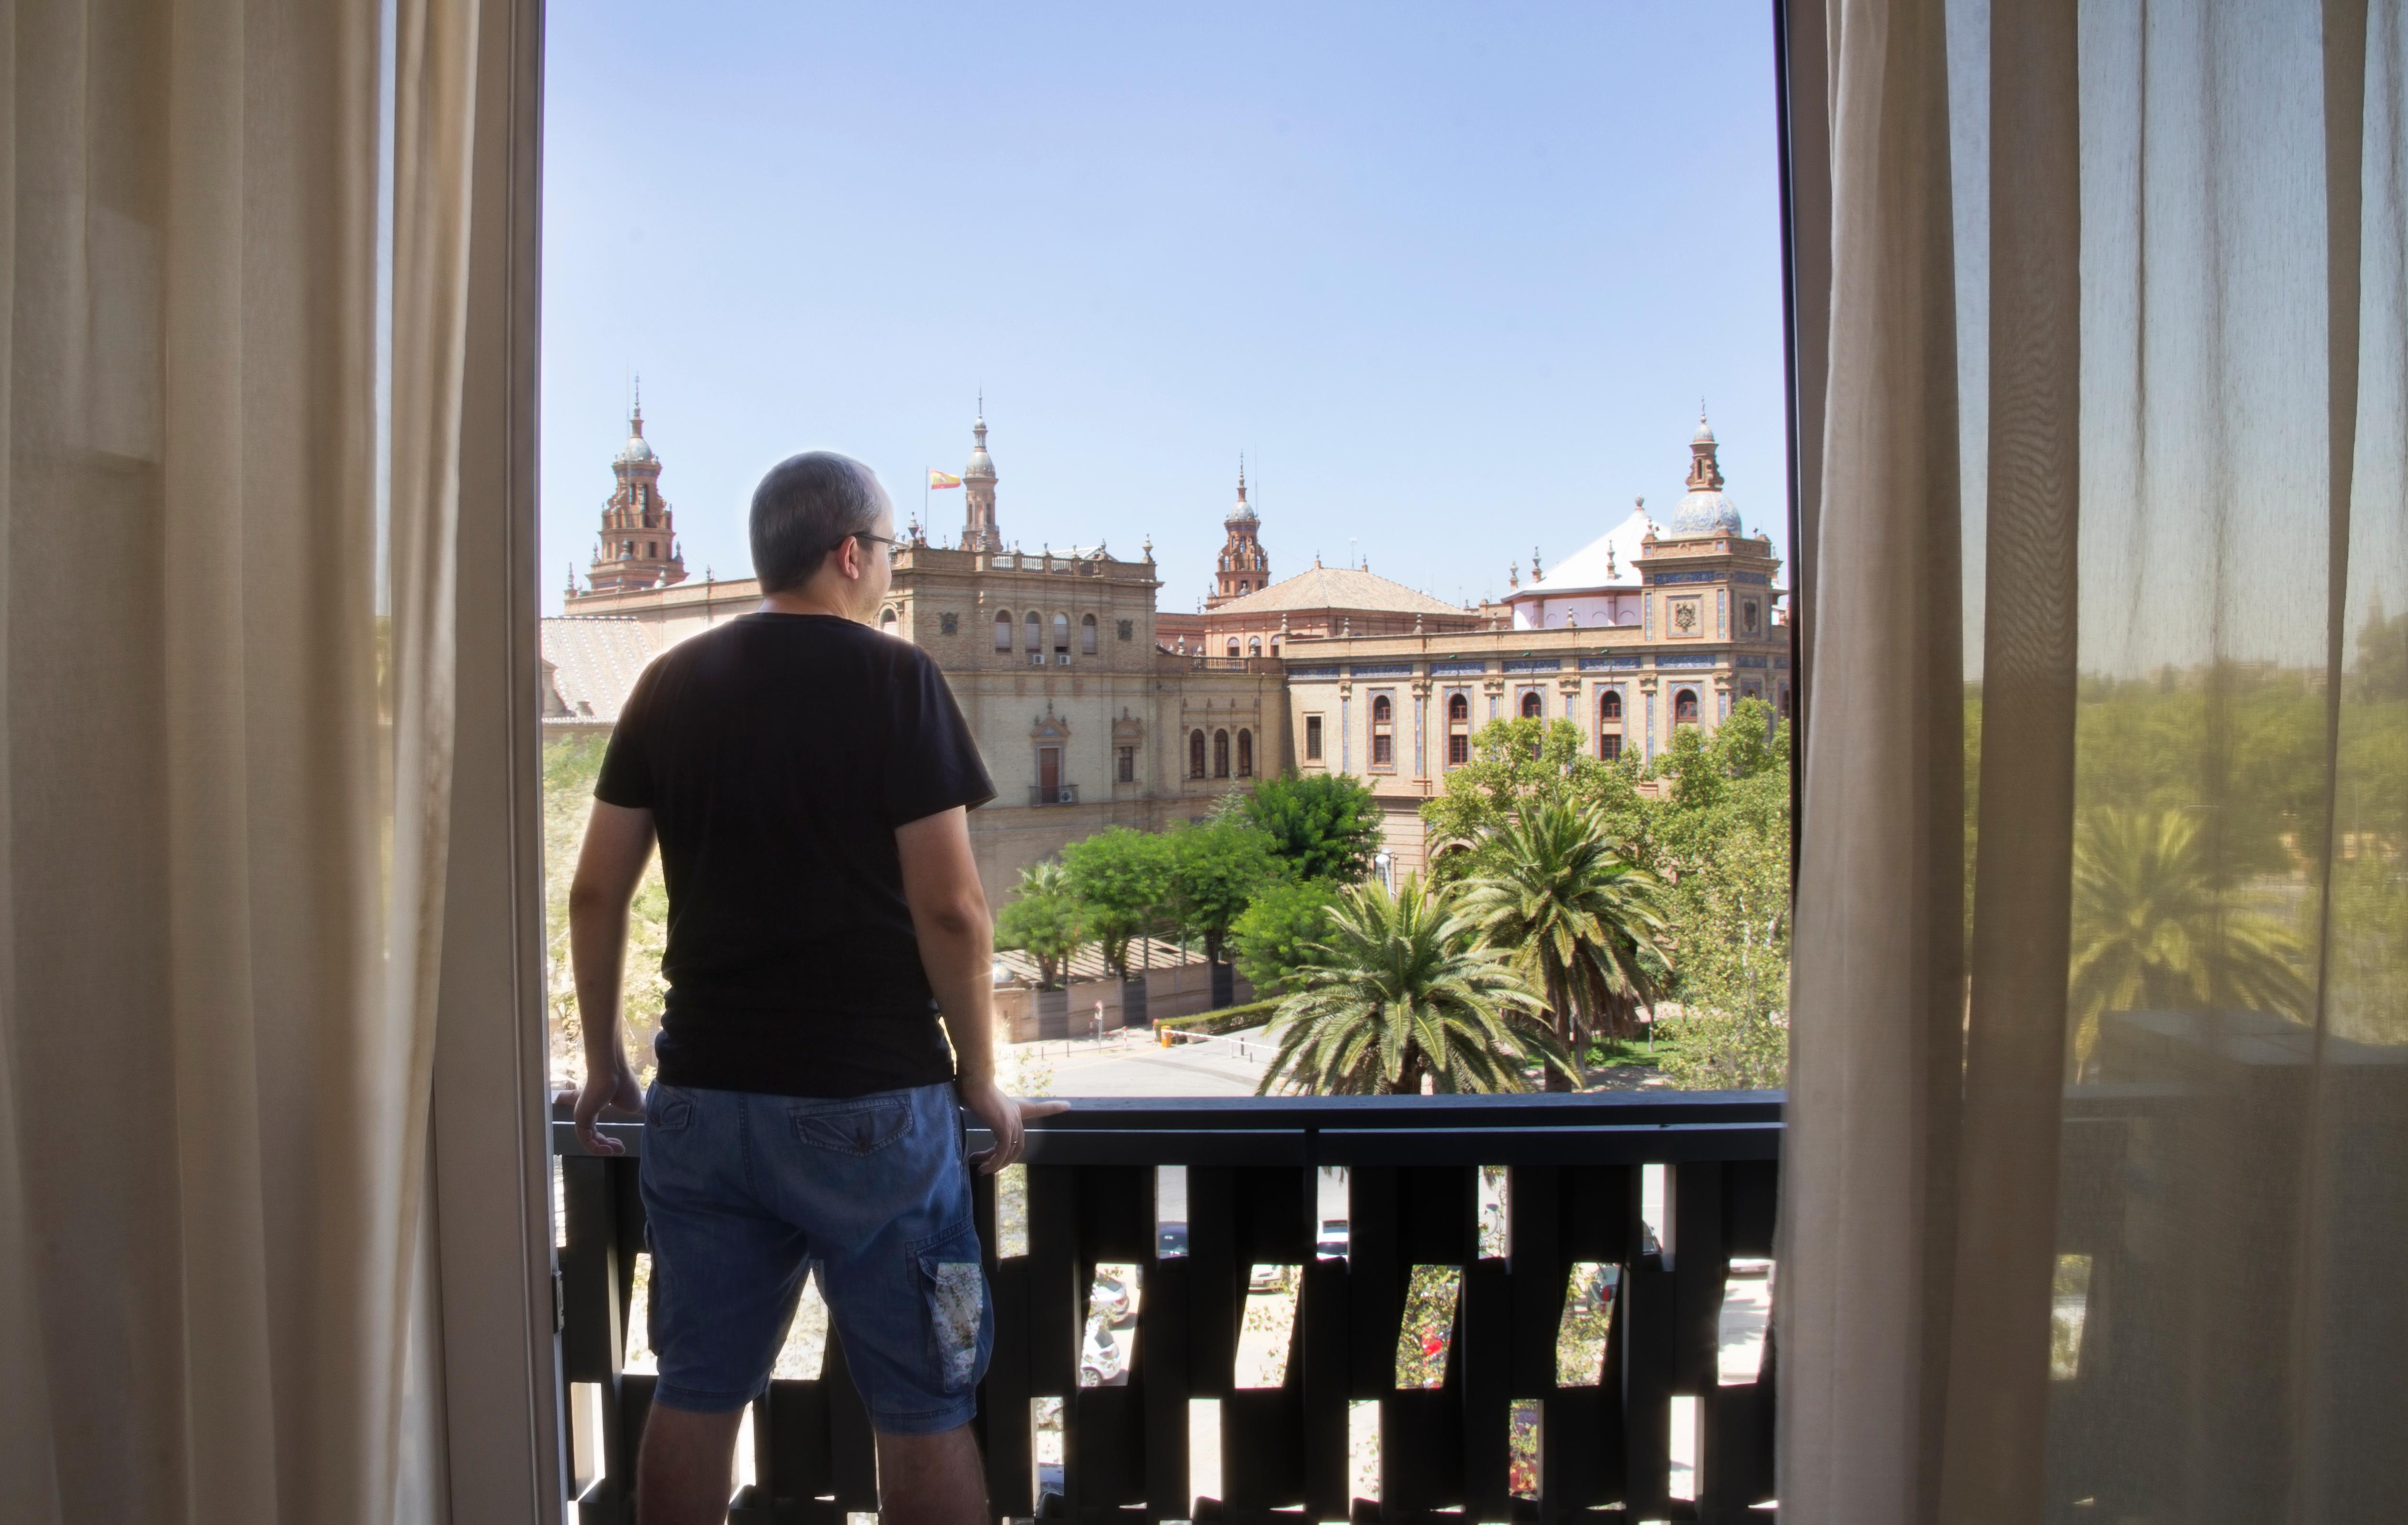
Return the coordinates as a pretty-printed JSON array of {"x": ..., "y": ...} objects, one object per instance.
[
  {"x": 1243, "y": 567},
  {"x": 1705, "y": 472},
  {"x": 980, "y": 528}
]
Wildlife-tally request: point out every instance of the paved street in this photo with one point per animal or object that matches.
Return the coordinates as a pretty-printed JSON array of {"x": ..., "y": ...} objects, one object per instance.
[{"x": 1135, "y": 1065}]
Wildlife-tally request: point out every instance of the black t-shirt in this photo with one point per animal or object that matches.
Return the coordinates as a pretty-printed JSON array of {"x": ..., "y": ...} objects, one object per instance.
[{"x": 778, "y": 752}]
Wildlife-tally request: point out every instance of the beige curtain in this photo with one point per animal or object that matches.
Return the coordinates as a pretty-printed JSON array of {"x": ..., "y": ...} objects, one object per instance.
[
  {"x": 226, "y": 715},
  {"x": 2096, "y": 1189}
]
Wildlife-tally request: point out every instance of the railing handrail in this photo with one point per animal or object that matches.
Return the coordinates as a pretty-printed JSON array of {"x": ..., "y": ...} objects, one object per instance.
[{"x": 1586, "y": 1128}]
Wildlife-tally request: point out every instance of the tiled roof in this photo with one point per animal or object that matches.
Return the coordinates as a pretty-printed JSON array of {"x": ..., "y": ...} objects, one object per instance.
[
  {"x": 1087, "y": 963},
  {"x": 594, "y": 661},
  {"x": 1337, "y": 587}
]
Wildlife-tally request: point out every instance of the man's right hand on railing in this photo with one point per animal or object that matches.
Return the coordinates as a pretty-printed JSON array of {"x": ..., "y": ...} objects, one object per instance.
[
  {"x": 1004, "y": 1117},
  {"x": 612, "y": 1088}
]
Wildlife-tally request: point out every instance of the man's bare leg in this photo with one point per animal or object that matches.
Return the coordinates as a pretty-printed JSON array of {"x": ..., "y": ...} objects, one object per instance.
[
  {"x": 929, "y": 1480},
  {"x": 686, "y": 1474}
]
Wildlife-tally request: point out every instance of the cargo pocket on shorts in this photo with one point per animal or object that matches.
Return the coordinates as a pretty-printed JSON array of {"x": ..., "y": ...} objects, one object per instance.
[{"x": 955, "y": 1284}]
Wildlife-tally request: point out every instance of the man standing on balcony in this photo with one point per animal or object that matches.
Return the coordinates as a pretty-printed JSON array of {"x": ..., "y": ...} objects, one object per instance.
[{"x": 807, "y": 780}]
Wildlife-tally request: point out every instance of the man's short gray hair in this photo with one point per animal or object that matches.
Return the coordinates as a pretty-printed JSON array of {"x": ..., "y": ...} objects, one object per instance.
[{"x": 804, "y": 508}]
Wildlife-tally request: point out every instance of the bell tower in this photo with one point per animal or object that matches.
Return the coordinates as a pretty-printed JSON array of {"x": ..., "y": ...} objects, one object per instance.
[
  {"x": 980, "y": 531},
  {"x": 637, "y": 547},
  {"x": 1244, "y": 568}
]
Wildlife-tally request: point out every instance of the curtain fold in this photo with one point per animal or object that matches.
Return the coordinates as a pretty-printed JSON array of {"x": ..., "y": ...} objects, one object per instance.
[
  {"x": 226, "y": 699},
  {"x": 2106, "y": 1220}
]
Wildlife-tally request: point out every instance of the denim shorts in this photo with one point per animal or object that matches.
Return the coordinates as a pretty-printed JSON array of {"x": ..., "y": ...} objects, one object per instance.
[{"x": 743, "y": 1193}]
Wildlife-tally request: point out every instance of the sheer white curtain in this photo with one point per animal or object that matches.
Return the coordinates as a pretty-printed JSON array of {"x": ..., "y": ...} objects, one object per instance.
[
  {"x": 225, "y": 714},
  {"x": 2096, "y": 1189}
]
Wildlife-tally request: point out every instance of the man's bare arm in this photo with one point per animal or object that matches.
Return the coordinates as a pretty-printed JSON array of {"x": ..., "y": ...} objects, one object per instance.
[
  {"x": 618, "y": 845},
  {"x": 948, "y": 911}
]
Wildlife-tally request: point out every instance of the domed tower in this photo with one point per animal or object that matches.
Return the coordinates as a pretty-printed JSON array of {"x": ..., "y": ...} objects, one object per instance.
[
  {"x": 1244, "y": 568},
  {"x": 1705, "y": 509},
  {"x": 980, "y": 532},
  {"x": 637, "y": 547}
]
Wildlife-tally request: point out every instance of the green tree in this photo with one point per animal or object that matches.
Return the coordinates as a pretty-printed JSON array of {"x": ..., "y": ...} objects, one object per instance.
[
  {"x": 1215, "y": 870},
  {"x": 1274, "y": 934},
  {"x": 1404, "y": 989},
  {"x": 1581, "y": 923},
  {"x": 570, "y": 766},
  {"x": 2152, "y": 931},
  {"x": 1121, "y": 879},
  {"x": 1044, "y": 920},
  {"x": 1326, "y": 827},
  {"x": 1513, "y": 763},
  {"x": 1734, "y": 1032}
]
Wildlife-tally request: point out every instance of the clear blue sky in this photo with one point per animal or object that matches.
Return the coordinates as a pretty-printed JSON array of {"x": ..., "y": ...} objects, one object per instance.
[{"x": 1454, "y": 279}]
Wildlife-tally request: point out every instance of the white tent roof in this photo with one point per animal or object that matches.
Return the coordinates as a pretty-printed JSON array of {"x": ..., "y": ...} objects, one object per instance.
[{"x": 1610, "y": 561}]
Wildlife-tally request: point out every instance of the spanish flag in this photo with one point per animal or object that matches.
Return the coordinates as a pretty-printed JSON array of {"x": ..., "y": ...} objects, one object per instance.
[{"x": 939, "y": 479}]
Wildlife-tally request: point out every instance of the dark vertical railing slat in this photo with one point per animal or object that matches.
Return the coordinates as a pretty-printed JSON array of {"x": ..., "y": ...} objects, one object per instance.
[
  {"x": 1534, "y": 1236},
  {"x": 1164, "y": 1326},
  {"x": 1323, "y": 1345},
  {"x": 1004, "y": 1400},
  {"x": 852, "y": 1449},
  {"x": 1375, "y": 1282},
  {"x": 1056, "y": 1300},
  {"x": 1647, "y": 1322},
  {"x": 1481, "y": 1363},
  {"x": 1215, "y": 1281},
  {"x": 795, "y": 1422}
]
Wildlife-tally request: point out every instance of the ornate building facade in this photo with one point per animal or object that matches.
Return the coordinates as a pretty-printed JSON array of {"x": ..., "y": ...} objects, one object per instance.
[
  {"x": 1094, "y": 709},
  {"x": 1643, "y": 631}
]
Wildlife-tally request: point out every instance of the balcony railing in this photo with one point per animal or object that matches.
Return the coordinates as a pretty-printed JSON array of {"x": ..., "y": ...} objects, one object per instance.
[
  {"x": 1493, "y": 1419},
  {"x": 1053, "y": 793}
]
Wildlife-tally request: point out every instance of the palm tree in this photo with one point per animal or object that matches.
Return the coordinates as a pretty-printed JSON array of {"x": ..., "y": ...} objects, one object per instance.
[
  {"x": 1043, "y": 920},
  {"x": 1582, "y": 923},
  {"x": 1403, "y": 987},
  {"x": 2151, "y": 931}
]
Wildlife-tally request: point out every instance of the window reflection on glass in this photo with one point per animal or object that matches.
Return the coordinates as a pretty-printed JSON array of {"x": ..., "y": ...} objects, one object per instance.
[{"x": 2069, "y": 1311}]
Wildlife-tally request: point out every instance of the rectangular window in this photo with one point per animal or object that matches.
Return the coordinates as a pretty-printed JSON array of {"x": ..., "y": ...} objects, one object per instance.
[
  {"x": 1128, "y": 773},
  {"x": 1384, "y": 750},
  {"x": 1459, "y": 750},
  {"x": 1609, "y": 747},
  {"x": 1312, "y": 738}
]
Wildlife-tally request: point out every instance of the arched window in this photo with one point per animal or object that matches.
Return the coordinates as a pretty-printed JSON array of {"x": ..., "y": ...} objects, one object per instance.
[
  {"x": 1243, "y": 588},
  {"x": 1785, "y": 701},
  {"x": 627, "y": 548},
  {"x": 1684, "y": 707},
  {"x": 1087, "y": 635},
  {"x": 1254, "y": 647},
  {"x": 1035, "y": 636},
  {"x": 1246, "y": 754},
  {"x": 1061, "y": 632},
  {"x": 1232, "y": 645},
  {"x": 1458, "y": 707},
  {"x": 1003, "y": 630},
  {"x": 1609, "y": 707},
  {"x": 1532, "y": 705},
  {"x": 1195, "y": 754},
  {"x": 886, "y": 623},
  {"x": 1220, "y": 754},
  {"x": 1382, "y": 711}
]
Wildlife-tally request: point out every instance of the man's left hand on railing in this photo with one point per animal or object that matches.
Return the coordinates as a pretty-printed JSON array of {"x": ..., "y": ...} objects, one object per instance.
[
  {"x": 1004, "y": 1117},
  {"x": 613, "y": 1089}
]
